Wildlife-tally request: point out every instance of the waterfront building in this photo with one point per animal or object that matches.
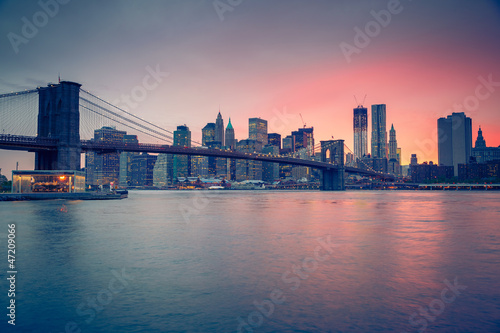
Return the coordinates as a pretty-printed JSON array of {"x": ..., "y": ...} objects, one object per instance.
[
  {"x": 142, "y": 168},
  {"x": 104, "y": 168},
  {"x": 38, "y": 181},
  {"x": 248, "y": 169},
  {"x": 454, "y": 140},
  {"x": 430, "y": 172},
  {"x": 160, "y": 171},
  {"x": 125, "y": 161}
]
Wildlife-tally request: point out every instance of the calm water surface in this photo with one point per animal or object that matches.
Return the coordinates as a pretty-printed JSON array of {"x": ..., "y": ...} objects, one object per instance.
[{"x": 258, "y": 261}]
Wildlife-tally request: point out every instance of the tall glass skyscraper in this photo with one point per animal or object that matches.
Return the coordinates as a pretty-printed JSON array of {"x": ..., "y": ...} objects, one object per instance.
[
  {"x": 379, "y": 131},
  {"x": 360, "y": 122},
  {"x": 454, "y": 140}
]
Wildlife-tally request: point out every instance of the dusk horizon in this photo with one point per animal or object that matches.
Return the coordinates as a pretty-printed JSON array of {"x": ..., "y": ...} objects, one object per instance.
[{"x": 424, "y": 61}]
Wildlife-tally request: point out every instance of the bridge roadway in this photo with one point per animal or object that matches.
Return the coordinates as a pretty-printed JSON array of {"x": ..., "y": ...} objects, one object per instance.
[{"x": 30, "y": 143}]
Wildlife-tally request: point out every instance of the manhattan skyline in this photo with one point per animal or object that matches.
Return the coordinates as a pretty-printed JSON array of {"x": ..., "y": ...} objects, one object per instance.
[{"x": 270, "y": 60}]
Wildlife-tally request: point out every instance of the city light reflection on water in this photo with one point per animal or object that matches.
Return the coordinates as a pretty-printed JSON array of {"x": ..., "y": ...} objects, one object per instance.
[{"x": 206, "y": 262}]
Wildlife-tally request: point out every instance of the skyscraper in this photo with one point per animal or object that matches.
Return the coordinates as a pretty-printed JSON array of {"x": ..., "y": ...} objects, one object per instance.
[
  {"x": 304, "y": 138},
  {"x": 126, "y": 160},
  {"x": 219, "y": 129},
  {"x": 393, "y": 152},
  {"x": 454, "y": 140},
  {"x": 379, "y": 132},
  {"x": 393, "y": 144},
  {"x": 160, "y": 171},
  {"x": 274, "y": 139},
  {"x": 230, "y": 142},
  {"x": 413, "y": 160},
  {"x": 248, "y": 169},
  {"x": 360, "y": 122},
  {"x": 208, "y": 133},
  {"x": 182, "y": 163},
  {"x": 257, "y": 130}
]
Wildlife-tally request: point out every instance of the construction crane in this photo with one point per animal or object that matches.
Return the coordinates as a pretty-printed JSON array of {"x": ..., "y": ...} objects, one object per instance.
[
  {"x": 362, "y": 103},
  {"x": 303, "y": 123}
]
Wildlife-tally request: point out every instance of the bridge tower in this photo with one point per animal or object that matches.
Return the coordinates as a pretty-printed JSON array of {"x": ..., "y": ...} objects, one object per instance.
[
  {"x": 59, "y": 118},
  {"x": 332, "y": 151}
]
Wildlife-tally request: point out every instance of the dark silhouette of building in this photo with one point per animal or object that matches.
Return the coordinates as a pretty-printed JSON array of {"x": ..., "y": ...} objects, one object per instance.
[
  {"x": 454, "y": 140},
  {"x": 430, "y": 172}
]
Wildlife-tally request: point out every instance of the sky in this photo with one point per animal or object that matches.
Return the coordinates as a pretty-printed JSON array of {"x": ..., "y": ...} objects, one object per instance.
[{"x": 275, "y": 60}]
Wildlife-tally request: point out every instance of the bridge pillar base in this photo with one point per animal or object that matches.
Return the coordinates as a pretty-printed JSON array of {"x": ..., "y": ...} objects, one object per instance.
[{"x": 332, "y": 180}]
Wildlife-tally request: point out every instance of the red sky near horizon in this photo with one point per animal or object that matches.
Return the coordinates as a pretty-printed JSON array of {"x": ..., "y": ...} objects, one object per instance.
[{"x": 265, "y": 58}]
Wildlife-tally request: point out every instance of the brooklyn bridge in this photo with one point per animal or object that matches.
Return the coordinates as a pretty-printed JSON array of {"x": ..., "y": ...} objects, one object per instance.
[{"x": 57, "y": 122}]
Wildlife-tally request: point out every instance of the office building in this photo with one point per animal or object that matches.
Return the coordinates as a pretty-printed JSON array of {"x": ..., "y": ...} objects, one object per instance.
[
  {"x": 379, "y": 132},
  {"x": 125, "y": 161},
  {"x": 104, "y": 168},
  {"x": 142, "y": 169},
  {"x": 393, "y": 163},
  {"x": 219, "y": 129},
  {"x": 248, "y": 169},
  {"x": 257, "y": 130},
  {"x": 230, "y": 139},
  {"x": 454, "y": 140},
  {"x": 288, "y": 144},
  {"x": 208, "y": 133},
  {"x": 274, "y": 139},
  {"x": 270, "y": 171},
  {"x": 160, "y": 171},
  {"x": 413, "y": 160},
  {"x": 360, "y": 123},
  {"x": 304, "y": 138},
  {"x": 182, "y": 163}
]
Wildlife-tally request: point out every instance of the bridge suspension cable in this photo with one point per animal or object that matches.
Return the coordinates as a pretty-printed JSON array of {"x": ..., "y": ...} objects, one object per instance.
[
  {"x": 19, "y": 113},
  {"x": 102, "y": 108}
]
